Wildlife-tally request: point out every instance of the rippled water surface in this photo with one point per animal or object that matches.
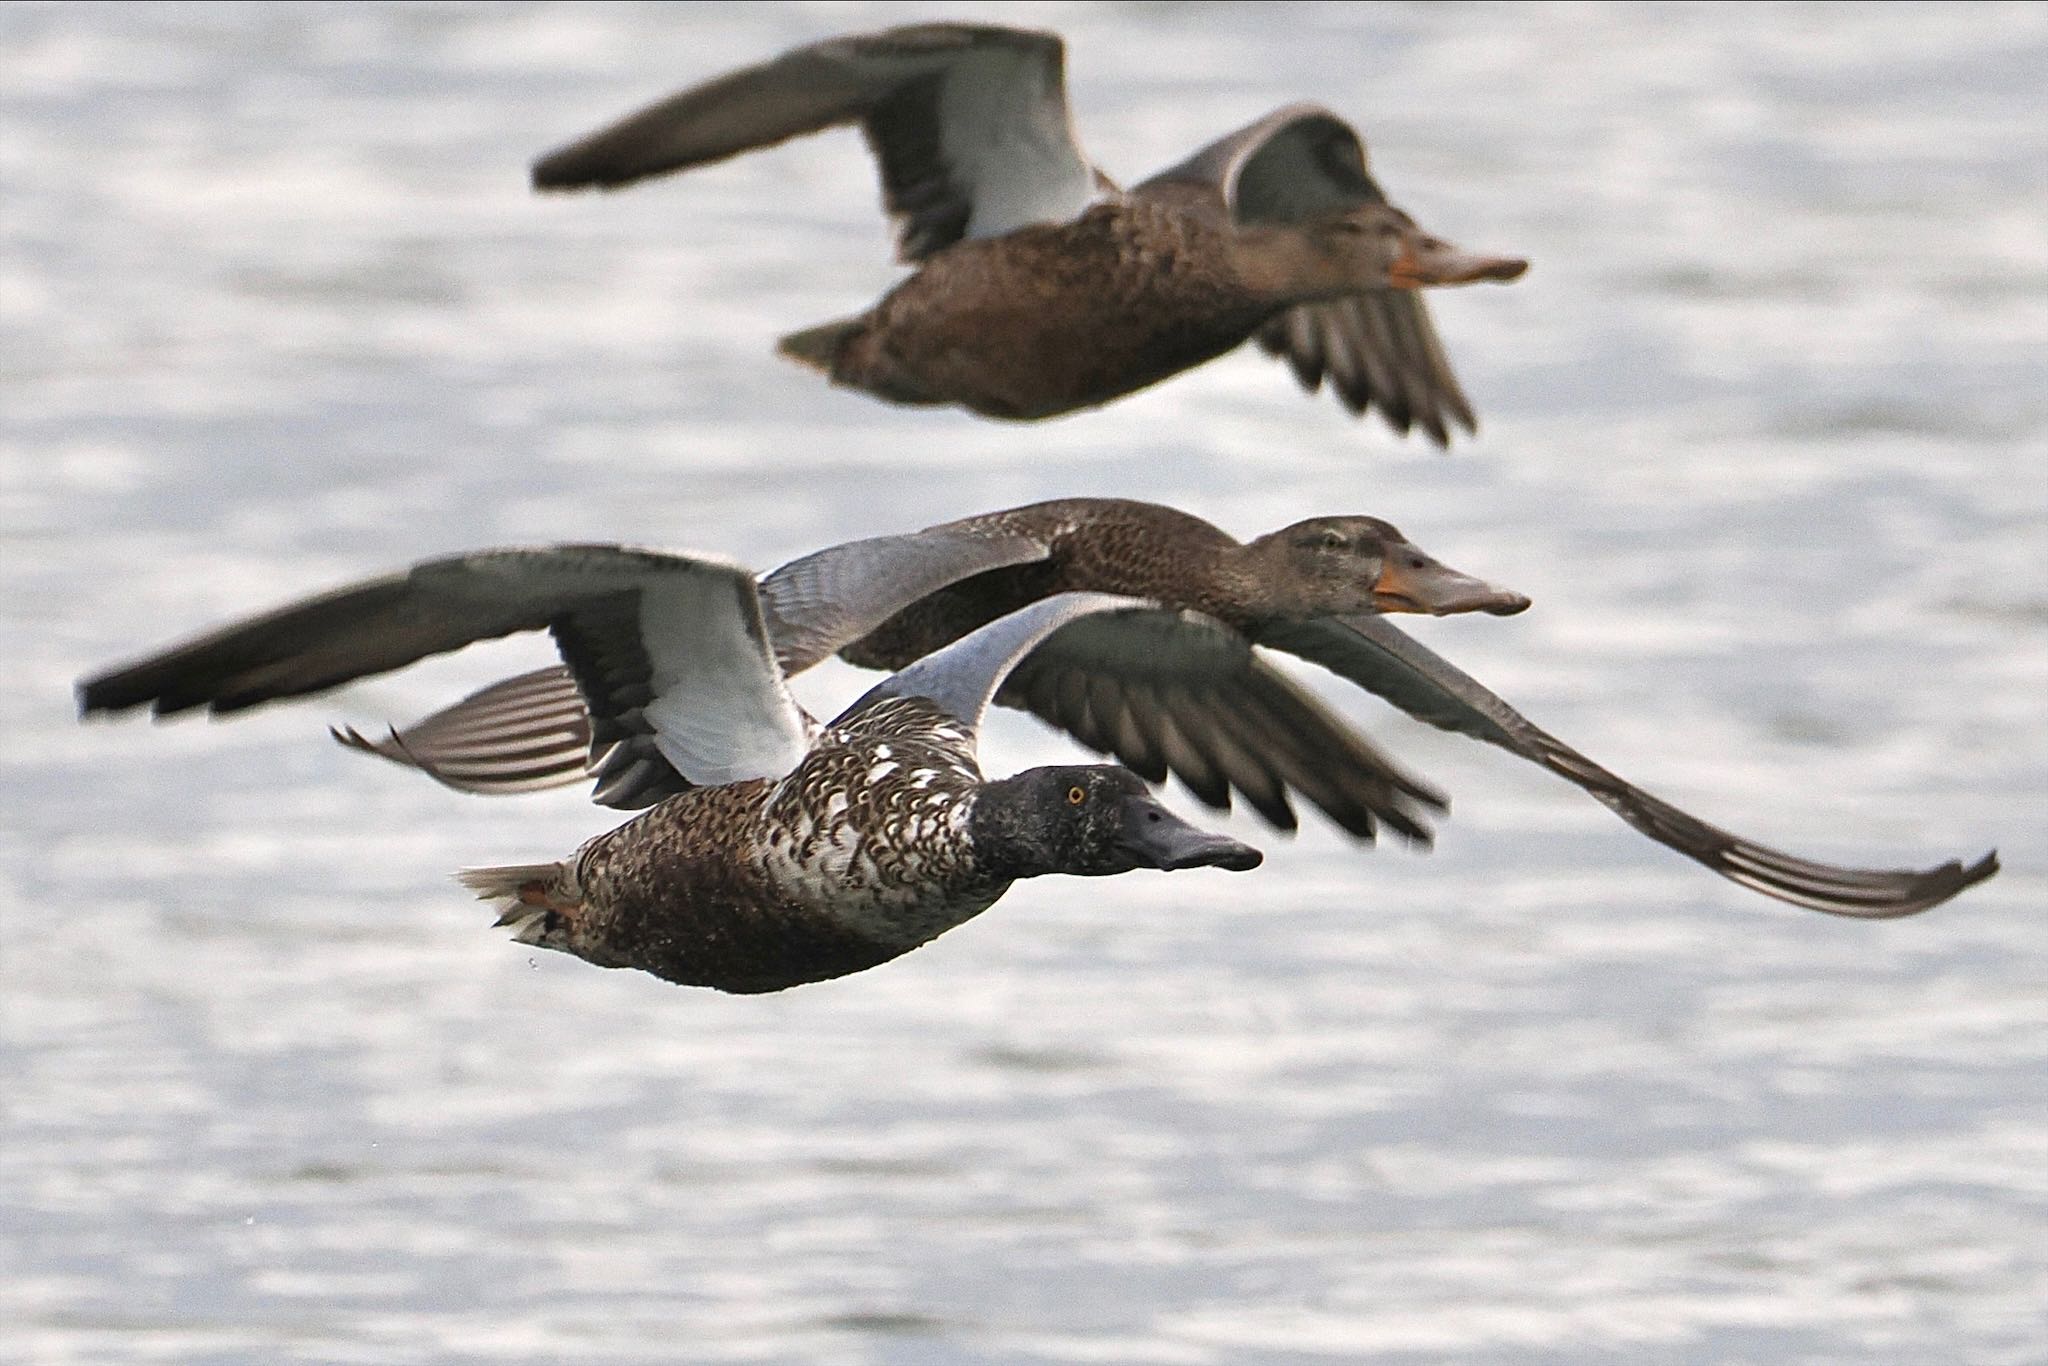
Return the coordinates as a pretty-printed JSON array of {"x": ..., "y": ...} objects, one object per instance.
[{"x": 1765, "y": 435}]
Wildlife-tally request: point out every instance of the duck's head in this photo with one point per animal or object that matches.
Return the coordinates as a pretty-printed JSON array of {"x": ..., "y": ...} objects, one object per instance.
[
  {"x": 1377, "y": 246},
  {"x": 1090, "y": 820},
  {"x": 1337, "y": 566}
]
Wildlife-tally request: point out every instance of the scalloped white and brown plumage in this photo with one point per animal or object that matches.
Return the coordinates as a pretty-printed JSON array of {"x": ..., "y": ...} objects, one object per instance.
[
  {"x": 790, "y": 853},
  {"x": 1040, "y": 287}
]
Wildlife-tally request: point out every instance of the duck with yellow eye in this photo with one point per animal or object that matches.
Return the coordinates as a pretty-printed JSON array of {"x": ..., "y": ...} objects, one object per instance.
[
  {"x": 788, "y": 852},
  {"x": 1110, "y": 823}
]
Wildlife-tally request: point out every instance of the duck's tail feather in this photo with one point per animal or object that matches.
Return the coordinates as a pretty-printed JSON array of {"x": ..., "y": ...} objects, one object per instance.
[
  {"x": 847, "y": 353},
  {"x": 818, "y": 347},
  {"x": 525, "y": 894}
]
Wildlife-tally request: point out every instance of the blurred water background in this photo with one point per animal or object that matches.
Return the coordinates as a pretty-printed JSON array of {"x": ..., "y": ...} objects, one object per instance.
[{"x": 1765, "y": 433}]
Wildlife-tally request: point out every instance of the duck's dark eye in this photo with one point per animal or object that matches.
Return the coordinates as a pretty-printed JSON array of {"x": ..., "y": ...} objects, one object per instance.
[
  {"x": 1075, "y": 796},
  {"x": 1332, "y": 540}
]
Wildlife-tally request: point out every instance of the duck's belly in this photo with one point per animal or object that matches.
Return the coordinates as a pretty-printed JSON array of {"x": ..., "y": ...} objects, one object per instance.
[
  {"x": 745, "y": 938},
  {"x": 1024, "y": 369},
  {"x": 738, "y": 944}
]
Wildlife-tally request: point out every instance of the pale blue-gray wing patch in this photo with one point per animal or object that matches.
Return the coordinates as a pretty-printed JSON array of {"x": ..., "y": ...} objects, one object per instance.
[
  {"x": 532, "y": 732},
  {"x": 821, "y": 603},
  {"x": 1304, "y": 163},
  {"x": 671, "y": 657},
  {"x": 720, "y": 709},
  {"x": 664, "y": 648},
  {"x": 1379, "y": 657},
  {"x": 1299, "y": 162},
  {"x": 969, "y": 124},
  {"x": 638, "y": 630},
  {"x": 1006, "y": 145},
  {"x": 962, "y": 677}
]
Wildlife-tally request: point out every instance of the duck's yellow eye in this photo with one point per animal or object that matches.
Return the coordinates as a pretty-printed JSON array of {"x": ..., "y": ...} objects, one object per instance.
[{"x": 1075, "y": 796}]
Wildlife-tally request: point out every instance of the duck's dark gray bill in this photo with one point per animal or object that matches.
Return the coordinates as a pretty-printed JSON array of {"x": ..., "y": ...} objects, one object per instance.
[{"x": 1156, "y": 838}]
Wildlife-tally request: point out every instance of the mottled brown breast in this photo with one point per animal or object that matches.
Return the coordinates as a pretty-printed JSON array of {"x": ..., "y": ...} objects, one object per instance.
[
  {"x": 676, "y": 892},
  {"x": 1061, "y": 316},
  {"x": 859, "y": 855}
]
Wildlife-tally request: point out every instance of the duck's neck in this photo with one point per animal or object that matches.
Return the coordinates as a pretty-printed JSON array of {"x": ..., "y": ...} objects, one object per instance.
[
  {"x": 1147, "y": 551},
  {"x": 1283, "y": 266},
  {"x": 1008, "y": 837},
  {"x": 1269, "y": 559}
]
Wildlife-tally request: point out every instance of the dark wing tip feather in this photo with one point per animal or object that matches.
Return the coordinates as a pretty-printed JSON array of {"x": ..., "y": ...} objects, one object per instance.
[
  {"x": 1377, "y": 352},
  {"x": 103, "y": 694},
  {"x": 147, "y": 684},
  {"x": 1858, "y": 893},
  {"x": 348, "y": 737},
  {"x": 392, "y": 747},
  {"x": 1910, "y": 893},
  {"x": 562, "y": 172},
  {"x": 1379, "y": 657},
  {"x": 1432, "y": 422}
]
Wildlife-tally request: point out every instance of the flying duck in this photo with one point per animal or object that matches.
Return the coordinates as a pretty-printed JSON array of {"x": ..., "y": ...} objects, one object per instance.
[
  {"x": 1041, "y": 288},
  {"x": 791, "y": 852},
  {"x": 1252, "y": 732},
  {"x": 1249, "y": 729}
]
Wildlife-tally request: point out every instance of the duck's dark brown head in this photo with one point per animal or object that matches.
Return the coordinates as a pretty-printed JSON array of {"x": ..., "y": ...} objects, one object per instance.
[
  {"x": 1089, "y": 820},
  {"x": 1338, "y": 566}
]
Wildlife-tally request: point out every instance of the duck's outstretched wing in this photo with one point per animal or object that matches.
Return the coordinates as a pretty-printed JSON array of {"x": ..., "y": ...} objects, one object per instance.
[
  {"x": 818, "y": 605},
  {"x": 669, "y": 653},
  {"x": 1380, "y": 353},
  {"x": 524, "y": 734},
  {"x": 1378, "y": 350},
  {"x": 969, "y": 123},
  {"x": 1171, "y": 692},
  {"x": 532, "y": 732},
  {"x": 1382, "y": 659},
  {"x": 961, "y": 678},
  {"x": 1176, "y": 692}
]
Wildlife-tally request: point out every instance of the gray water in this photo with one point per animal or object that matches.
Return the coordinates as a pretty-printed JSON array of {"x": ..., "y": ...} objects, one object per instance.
[{"x": 1765, "y": 435}]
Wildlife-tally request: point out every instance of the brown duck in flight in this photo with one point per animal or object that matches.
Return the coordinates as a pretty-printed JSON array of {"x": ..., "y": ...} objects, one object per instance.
[
  {"x": 1221, "y": 719},
  {"x": 1041, "y": 288}
]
